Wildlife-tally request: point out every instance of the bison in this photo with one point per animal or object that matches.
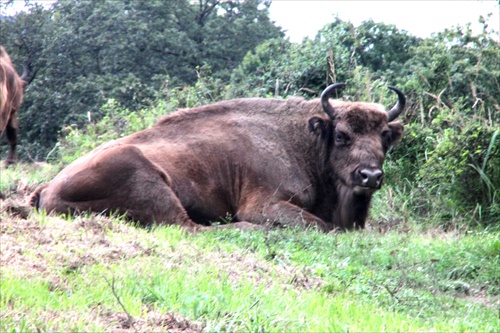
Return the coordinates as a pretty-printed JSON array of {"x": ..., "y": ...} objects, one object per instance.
[
  {"x": 250, "y": 161},
  {"x": 11, "y": 97}
]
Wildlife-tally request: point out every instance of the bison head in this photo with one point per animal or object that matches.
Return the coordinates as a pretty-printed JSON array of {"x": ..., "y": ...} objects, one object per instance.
[
  {"x": 362, "y": 133},
  {"x": 356, "y": 136}
]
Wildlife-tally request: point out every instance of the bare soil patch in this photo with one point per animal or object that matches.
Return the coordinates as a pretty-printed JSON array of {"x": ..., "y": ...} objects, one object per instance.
[{"x": 153, "y": 321}]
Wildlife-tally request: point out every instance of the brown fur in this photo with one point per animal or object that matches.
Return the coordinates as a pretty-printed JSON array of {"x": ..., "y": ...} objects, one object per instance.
[
  {"x": 262, "y": 161},
  {"x": 11, "y": 97}
]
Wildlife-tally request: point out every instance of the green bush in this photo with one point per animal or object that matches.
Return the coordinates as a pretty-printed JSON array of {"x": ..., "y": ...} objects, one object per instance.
[
  {"x": 462, "y": 169},
  {"x": 452, "y": 168},
  {"x": 117, "y": 123}
]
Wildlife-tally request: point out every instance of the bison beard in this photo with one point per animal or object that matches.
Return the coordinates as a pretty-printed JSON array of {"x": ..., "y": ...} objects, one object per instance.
[
  {"x": 352, "y": 208},
  {"x": 257, "y": 161}
]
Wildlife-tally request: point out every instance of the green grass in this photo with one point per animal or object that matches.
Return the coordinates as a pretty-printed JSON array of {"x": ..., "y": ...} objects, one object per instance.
[
  {"x": 228, "y": 280},
  {"x": 21, "y": 177}
]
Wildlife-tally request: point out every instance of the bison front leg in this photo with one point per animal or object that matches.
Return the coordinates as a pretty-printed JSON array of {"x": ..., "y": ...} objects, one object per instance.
[
  {"x": 281, "y": 213},
  {"x": 11, "y": 133},
  {"x": 118, "y": 179}
]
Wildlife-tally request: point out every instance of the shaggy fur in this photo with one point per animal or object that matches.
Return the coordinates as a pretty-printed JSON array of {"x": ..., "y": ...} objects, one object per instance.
[
  {"x": 259, "y": 161},
  {"x": 11, "y": 97}
]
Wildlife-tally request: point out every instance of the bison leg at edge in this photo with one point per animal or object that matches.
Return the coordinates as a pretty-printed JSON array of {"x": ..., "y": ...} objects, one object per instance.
[
  {"x": 11, "y": 133},
  {"x": 119, "y": 178}
]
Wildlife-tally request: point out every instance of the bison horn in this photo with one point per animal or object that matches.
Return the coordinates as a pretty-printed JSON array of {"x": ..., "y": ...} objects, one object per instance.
[
  {"x": 24, "y": 76},
  {"x": 325, "y": 95},
  {"x": 400, "y": 105}
]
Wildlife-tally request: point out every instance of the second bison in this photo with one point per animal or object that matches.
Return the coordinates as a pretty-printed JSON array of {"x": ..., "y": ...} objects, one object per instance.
[{"x": 11, "y": 96}]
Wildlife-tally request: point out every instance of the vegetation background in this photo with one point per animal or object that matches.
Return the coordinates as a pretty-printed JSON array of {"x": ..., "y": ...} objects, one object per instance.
[{"x": 100, "y": 70}]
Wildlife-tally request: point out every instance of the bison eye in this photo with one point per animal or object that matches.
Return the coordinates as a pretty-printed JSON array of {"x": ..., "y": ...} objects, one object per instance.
[
  {"x": 342, "y": 138},
  {"x": 387, "y": 138}
]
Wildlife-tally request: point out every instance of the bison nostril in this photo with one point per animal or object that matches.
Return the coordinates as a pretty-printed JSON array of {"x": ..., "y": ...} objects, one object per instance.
[{"x": 371, "y": 177}]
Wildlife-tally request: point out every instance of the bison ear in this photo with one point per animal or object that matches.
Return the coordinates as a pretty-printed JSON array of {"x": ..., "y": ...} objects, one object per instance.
[
  {"x": 318, "y": 126},
  {"x": 396, "y": 132}
]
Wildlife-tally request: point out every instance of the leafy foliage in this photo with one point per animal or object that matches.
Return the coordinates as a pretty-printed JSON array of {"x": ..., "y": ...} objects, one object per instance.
[
  {"x": 86, "y": 52},
  {"x": 336, "y": 54},
  {"x": 453, "y": 116}
]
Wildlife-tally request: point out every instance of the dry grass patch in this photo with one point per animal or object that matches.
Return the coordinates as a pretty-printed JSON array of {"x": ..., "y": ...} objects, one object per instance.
[
  {"x": 99, "y": 319},
  {"x": 151, "y": 321},
  {"x": 29, "y": 248}
]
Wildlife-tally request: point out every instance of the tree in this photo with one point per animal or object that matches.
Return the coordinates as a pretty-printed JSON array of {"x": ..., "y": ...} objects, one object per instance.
[
  {"x": 336, "y": 54},
  {"x": 86, "y": 52}
]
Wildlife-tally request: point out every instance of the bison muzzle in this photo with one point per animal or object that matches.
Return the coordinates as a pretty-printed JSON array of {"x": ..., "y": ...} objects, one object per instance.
[{"x": 261, "y": 161}]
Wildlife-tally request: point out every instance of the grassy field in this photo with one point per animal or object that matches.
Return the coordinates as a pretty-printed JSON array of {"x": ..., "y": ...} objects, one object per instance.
[{"x": 93, "y": 273}]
